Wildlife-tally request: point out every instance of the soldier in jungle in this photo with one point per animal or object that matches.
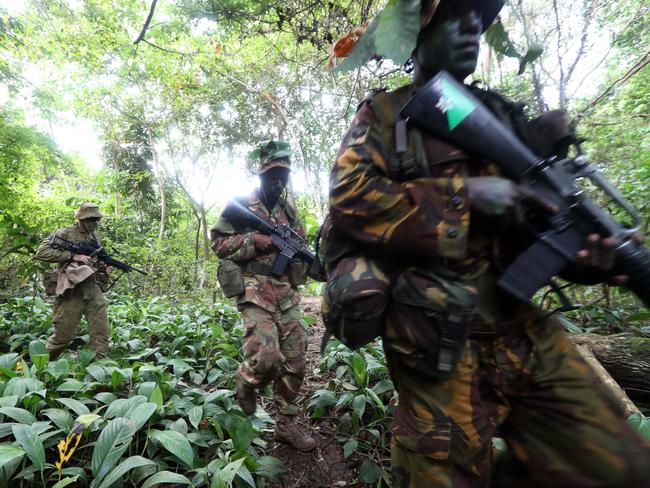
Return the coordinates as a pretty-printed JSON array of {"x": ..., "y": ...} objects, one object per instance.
[
  {"x": 77, "y": 285},
  {"x": 432, "y": 227},
  {"x": 275, "y": 343}
]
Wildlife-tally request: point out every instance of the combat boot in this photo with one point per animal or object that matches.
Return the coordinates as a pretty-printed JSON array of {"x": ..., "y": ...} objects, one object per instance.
[
  {"x": 289, "y": 432},
  {"x": 246, "y": 397}
]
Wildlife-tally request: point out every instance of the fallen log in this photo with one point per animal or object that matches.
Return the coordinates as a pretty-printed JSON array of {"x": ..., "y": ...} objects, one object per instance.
[{"x": 626, "y": 359}]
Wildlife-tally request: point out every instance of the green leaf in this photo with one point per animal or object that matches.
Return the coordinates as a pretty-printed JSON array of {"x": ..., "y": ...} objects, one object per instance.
[
  {"x": 498, "y": 39},
  {"x": 157, "y": 397},
  {"x": 165, "y": 477},
  {"x": 359, "y": 405},
  {"x": 141, "y": 414},
  {"x": 362, "y": 52},
  {"x": 87, "y": 419},
  {"x": 229, "y": 471},
  {"x": 397, "y": 32},
  {"x": 369, "y": 472},
  {"x": 61, "y": 418},
  {"x": 75, "y": 405},
  {"x": 71, "y": 385},
  {"x": 39, "y": 354},
  {"x": 65, "y": 482},
  {"x": 270, "y": 468},
  {"x": 349, "y": 447},
  {"x": 196, "y": 414},
  {"x": 18, "y": 414},
  {"x": 174, "y": 442},
  {"x": 32, "y": 445},
  {"x": 9, "y": 452},
  {"x": 113, "y": 440},
  {"x": 243, "y": 435},
  {"x": 121, "y": 406},
  {"x": 534, "y": 51},
  {"x": 123, "y": 468}
]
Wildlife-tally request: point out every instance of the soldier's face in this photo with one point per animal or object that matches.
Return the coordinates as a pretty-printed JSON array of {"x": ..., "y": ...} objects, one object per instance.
[
  {"x": 90, "y": 224},
  {"x": 450, "y": 42},
  {"x": 274, "y": 181}
]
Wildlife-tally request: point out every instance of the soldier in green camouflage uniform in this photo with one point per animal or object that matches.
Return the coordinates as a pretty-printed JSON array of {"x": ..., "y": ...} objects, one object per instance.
[
  {"x": 84, "y": 298},
  {"x": 275, "y": 341},
  {"x": 443, "y": 225}
]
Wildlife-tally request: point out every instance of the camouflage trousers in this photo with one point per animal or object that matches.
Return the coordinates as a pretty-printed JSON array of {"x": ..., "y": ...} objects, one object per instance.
[
  {"x": 532, "y": 388},
  {"x": 274, "y": 351},
  {"x": 86, "y": 300}
]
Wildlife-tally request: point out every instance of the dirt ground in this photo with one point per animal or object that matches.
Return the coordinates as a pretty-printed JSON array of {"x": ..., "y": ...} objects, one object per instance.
[{"x": 324, "y": 466}]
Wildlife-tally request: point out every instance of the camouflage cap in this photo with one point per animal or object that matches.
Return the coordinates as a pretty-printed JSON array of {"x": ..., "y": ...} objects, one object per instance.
[
  {"x": 88, "y": 210},
  {"x": 270, "y": 154}
]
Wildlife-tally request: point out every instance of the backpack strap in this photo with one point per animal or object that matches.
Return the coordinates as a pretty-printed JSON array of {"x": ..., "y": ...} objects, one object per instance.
[{"x": 407, "y": 158}]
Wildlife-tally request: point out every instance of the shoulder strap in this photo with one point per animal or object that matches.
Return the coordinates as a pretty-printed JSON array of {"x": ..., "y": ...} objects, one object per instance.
[{"x": 407, "y": 156}]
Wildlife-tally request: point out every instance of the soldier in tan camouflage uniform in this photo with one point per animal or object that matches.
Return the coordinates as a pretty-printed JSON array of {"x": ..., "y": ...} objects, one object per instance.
[
  {"x": 275, "y": 342},
  {"x": 441, "y": 225},
  {"x": 76, "y": 285}
]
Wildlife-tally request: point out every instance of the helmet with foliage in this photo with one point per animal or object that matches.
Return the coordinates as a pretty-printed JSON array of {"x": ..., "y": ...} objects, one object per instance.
[
  {"x": 270, "y": 154},
  {"x": 88, "y": 210},
  {"x": 393, "y": 33}
]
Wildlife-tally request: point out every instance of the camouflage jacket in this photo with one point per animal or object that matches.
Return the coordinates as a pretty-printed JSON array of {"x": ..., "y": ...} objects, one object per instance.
[
  {"x": 75, "y": 233},
  {"x": 423, "y": 219},
  {"x": 238, "y": 245}
]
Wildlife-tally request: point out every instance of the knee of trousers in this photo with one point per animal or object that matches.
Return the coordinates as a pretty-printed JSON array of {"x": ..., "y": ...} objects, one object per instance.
[{"x": 264, "y": 363}]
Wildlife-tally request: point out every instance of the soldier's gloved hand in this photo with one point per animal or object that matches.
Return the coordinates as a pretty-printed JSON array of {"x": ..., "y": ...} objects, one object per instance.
[
  {"x": 263, "y": 243},
  {"x": 82, "y": 258},
  {"x": 501, "y": 199}
]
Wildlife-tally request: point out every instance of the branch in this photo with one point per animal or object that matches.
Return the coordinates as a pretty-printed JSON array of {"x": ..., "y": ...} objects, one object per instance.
[
  {"x": 642, "y": 63},
  {"x": 146, "y": 22}
]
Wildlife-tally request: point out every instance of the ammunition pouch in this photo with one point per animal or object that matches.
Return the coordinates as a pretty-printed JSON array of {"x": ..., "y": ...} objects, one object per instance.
[
  {"x": 50, "y": 278},
  {"x": 230, "y": 278},
  {"x": 355, "y": 299},
  {"x": 297, "y": 273},
  {"x": 430, "y": 318}
]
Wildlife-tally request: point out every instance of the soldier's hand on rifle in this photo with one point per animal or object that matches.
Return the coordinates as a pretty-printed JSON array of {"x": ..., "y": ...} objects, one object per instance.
[
  {"x": 501, "y": 198},
  {"x": 263, "y": 243},
  {"x": 599, "y": 255},
  {"x": 82, "y": 258},
  {"x": 109, "y": 269}
]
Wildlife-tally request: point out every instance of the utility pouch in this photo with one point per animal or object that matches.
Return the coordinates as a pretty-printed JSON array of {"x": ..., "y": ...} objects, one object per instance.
[
  {"x": 230, "y": 278},
  {"x": 297, "y": 273},
  {"x": 355, "y": 300},
  {"x": 433, "y": 310},
  {"x": 50, "y": 278}
]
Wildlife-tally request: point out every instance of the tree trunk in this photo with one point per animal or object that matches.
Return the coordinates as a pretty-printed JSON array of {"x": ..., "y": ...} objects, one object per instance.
[
  {"x": 206, "y": 237},
  {"x": 160, "y": 179},
  {"x": 626, "y": 359}
]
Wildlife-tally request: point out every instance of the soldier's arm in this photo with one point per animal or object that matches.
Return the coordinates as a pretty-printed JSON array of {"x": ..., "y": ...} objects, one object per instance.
[
  {"x": 49, "y": 253},
  {"x": 228, "y": 244},
  {"x": 374, "y": 209}
]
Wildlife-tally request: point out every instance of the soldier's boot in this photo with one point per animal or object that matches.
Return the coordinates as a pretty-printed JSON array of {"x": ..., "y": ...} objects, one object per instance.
[
  {"x": 289, "y": 432},
  {"x": 246, "y": 397}
]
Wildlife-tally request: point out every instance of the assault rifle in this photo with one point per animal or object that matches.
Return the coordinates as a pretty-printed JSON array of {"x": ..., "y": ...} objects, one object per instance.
[
  {"x": 285, "y": 238},
  {"x": 446, "y": 108},
  {"x": 93, "y": 249}
]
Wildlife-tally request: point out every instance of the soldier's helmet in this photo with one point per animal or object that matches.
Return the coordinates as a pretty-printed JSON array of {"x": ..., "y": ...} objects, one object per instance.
[
  {"x": 270, "y": 154},
  {"x": 88, "y": 210}
]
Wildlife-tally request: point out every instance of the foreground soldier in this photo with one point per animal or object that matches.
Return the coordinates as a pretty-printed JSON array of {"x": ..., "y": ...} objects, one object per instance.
[
  {"x": 441, "y": 226},
  {"x": 76, "y": 285},
  {"x": 275, "y": 342}
]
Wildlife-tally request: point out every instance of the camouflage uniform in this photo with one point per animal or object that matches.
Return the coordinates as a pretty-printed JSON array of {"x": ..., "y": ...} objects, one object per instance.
[
  {"x": 275, "y": 342},
  {"x": 85, "y": 299},
  {"x": 517, "y": 373}
]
